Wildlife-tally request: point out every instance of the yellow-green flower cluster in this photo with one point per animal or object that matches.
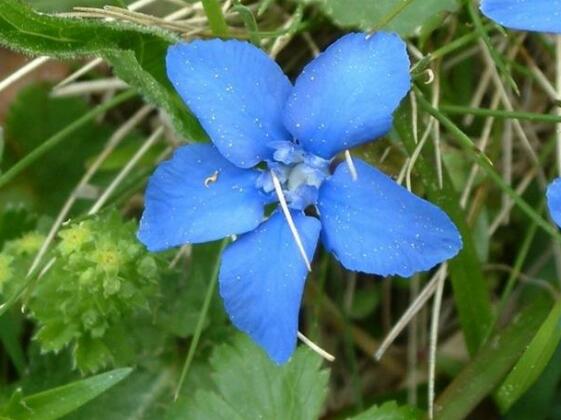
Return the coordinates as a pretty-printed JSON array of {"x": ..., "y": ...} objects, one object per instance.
[{"x": 101, "y": 278}]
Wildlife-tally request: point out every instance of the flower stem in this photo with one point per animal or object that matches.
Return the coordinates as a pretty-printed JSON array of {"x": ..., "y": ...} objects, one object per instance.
[
  {"x": 497, "y": 113},
  {"x": 201, "y": 321},
  {"x": 215, "y": 18}
]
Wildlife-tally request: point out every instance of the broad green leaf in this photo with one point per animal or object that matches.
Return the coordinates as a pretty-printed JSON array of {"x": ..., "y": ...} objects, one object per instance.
[
  {"x": 146, "y": 394},
  {"x": 136, "y": 53},
  {"x": 405, "y": 17},
  {"x": 494, "y": 360},
  {"x": 388, "y": 411},
  {"x": 67, "y": 5},
  {"x": 57, "y": 402},
  {"x": 471, "y": 292},
  {"x": 143, "y": 395},
  {"x": 248, "y": 385},
  {"x": 533, "y": 361},
  {"x": 48, "y": 6}
]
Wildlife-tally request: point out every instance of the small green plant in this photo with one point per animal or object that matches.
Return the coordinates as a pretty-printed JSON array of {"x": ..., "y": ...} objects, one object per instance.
[{"x": 99, "y": 280}]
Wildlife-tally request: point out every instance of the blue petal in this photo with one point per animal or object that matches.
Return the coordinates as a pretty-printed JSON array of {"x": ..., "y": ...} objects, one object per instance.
[
  {"x": 553, "y": 195},
  {"x": 262, "y": 277},
  {"x": 347, "y": 95},
  {"x": 236, "y": 91},
  {"x": 526, "y": 15},
  {"x": 198, "y": 196},
  {"x": 376, "y": 226}
]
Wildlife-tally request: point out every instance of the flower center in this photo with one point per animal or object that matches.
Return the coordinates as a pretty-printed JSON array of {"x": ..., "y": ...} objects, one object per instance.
[{"x": 299, "y": 173}]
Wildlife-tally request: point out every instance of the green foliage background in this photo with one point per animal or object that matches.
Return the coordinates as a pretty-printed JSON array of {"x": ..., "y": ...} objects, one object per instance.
[{"x": 97, "y": 327}]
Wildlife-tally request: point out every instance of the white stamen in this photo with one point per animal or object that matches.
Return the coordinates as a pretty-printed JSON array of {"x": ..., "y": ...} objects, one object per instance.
[
  {"x": 327, "y": 356},
  {"x": 288, "y": 216},
  {"x": 351, "y": 165}
]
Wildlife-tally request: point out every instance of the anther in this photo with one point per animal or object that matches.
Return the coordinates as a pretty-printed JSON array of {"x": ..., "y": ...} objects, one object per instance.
[
  {"x": 327, "y": 356},
  {"x": 351, "y": 165}
]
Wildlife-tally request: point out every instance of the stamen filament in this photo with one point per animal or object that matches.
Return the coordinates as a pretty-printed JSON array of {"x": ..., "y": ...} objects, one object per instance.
[
  {"x": 327, "y": 356},
  {"x": 351, "y": 165},
  {"x": 289, "y": 220}
]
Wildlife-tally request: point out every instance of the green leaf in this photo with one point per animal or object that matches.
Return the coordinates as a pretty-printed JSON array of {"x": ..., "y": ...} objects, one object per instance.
[
  {"x": 533, "y": 361},
  {"x": 388, "y": 411},
  {"x": 136, "y": 53},
  {"x": 57, "y": 402},
  {"x": 67, "y": 5},
  {"x": 248, "y": 385},
  {"x": 471, "y": 292},
  {"x": 215, "y": 18},
  {"x": 538, "y": 401},
  {"x": 145, "y": 394},
  {"x": 405, "y": 17},
  {"x": 480, "y": 377}
]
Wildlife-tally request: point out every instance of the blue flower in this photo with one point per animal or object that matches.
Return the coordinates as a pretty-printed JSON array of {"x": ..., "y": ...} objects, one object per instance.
[
  {"x": 553, "y": 195},
  {"x": 271, "y": 137},
  {"x": 525, "y": 15}
]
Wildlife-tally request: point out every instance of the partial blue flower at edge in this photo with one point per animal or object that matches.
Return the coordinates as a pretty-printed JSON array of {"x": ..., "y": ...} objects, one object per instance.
[
  {"x": 553, "y": 196},
  {"x": 525, "y": 15},
  {"x": 343, "y": 98}
]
